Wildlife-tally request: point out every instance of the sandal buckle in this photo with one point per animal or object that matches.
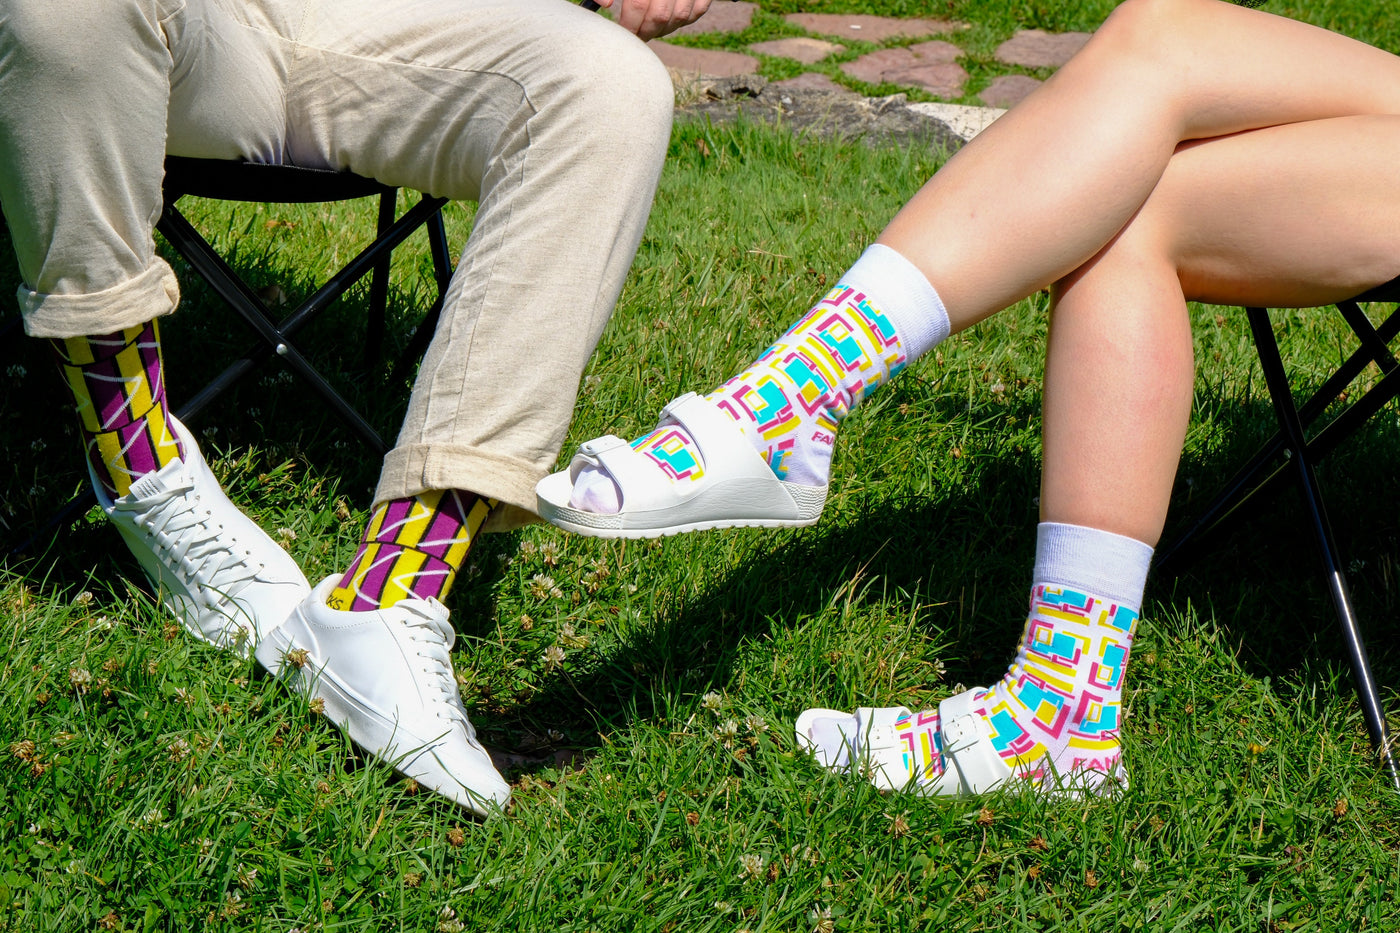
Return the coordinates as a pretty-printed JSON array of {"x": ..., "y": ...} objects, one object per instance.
[{"x": 960, "y": 732}]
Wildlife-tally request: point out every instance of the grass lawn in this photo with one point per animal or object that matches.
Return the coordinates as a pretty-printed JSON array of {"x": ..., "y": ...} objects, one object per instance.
[{"x": 647, "y": 690}]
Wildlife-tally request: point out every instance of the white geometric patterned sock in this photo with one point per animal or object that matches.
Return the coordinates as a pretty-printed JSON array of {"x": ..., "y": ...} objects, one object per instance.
[{"x": 788, "y": 402}]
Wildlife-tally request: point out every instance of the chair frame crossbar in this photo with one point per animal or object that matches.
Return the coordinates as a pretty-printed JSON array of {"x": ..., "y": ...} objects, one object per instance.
[
  {"x": 1300, "y": 457},
  {"x": 275, "y": 335}
]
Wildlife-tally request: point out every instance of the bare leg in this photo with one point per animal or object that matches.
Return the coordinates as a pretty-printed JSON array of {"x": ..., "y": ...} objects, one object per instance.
[
  {"x": 1026, "y": 204},
  {"x": 1049, "y": 184},
  {"x": 1293, "y": 215}
]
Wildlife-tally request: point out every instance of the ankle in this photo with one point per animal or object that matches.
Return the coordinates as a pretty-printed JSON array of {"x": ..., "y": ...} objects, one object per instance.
[{"x": 412, "y": 549}]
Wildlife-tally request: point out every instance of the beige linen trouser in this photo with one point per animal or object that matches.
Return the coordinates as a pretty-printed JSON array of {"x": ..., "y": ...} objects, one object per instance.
[{"x": 555, "y": 120}]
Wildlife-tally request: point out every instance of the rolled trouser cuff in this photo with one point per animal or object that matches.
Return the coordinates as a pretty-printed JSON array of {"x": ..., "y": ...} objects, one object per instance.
[
  {"x": 417, "y": 468},
  {"x": 149, "y": 295}
]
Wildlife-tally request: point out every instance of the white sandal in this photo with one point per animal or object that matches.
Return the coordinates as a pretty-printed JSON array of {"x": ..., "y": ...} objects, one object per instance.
[
  {"x": 737, "y": 490},
  {"x": 972, "y": 763}
]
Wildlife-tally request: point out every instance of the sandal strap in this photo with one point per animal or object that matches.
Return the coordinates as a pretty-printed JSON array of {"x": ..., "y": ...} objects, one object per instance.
[
  {"x": 881, "y": 751},
  {"x": 633, "y": 473},
  {"x": 719, "y": 437},
  {"x": 721, "y": 442},
  {"x": 737, "y": 487},
  {"x": 967, "y": 744}
]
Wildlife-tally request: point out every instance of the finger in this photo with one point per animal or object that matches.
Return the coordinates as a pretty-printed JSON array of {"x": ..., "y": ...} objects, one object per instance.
[
  {"x": 637, "y": 16},
  {"x": 682, "y": 13}
]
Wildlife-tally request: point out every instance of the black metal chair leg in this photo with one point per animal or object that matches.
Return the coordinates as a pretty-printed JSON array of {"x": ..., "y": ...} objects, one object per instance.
[
  {"x": 379, "y": 288},
  {"x": 71, "y": 511},
  {"x": 254, "y": 182},
  {"x": 1277, "y": 381},
  {"x": 174, "y": 227},
  {"x": 1263, "y": 473},
  {"x": 442, "y": 271}
]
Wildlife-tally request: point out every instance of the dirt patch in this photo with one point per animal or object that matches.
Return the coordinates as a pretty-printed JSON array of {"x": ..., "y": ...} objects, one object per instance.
[{"x": 824, "y": 113}]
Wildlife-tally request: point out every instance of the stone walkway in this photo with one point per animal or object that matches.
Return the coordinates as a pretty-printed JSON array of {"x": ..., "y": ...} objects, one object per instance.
[{"x": 929, "y": 65}]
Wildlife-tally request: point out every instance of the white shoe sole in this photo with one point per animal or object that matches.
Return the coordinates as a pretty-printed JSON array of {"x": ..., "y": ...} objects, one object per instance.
[{"x": 375, "y": 733}]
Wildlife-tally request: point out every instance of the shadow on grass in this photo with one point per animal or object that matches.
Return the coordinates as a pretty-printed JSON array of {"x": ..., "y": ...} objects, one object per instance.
[{"x": 966, "y": 555}]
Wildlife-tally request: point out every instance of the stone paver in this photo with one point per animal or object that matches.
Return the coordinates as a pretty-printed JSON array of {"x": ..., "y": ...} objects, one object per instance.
[
  {"x": 1008, "y": 90},
  {"x": 869, "y": 28},
  {"x": 806, "y": 50},
  {"x": 928, "y": 65},
  {"x": 963, "y": 120},
  {"x": 703, "y": 61},
  {"x": 931, "y": 66},
  {"x": 814, "y": 81},
  {"x": 1035, "y": 48},
  {"x": 721, "y": 17}
]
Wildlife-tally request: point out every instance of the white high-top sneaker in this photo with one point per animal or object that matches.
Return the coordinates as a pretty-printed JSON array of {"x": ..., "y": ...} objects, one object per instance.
[
  {"x": 214, "y": 568},
  {"x": 385, "y": 677}
]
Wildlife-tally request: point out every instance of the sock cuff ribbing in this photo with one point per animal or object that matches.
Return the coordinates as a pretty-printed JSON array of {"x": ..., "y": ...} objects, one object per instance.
[
  {"x": 904, "y": 295},
  {"x": 1099, "y": 562}
]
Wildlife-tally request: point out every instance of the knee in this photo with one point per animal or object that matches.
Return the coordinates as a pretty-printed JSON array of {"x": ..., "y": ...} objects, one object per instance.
[
  {"x": 66, "y": 40},
  {"x": 614, "y": 85},
  {"x": 1154, "y": 31},
  {"x": 1144, "y": 250}
]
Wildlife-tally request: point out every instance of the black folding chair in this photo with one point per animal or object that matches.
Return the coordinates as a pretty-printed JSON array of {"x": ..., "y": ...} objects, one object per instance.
[
  {"x": 287, "y": 184},
  {"x": 1290, "y": 452}
]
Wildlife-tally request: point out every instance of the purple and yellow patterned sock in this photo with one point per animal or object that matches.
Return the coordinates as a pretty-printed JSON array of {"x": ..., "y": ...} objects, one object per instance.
[
  {"x": 118, "y": 383},
  {"x": 411, "y": 548},
  {"x": 788, "y": 402}
]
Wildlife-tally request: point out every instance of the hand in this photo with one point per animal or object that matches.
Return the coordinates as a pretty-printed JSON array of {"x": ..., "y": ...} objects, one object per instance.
[{"x": 652, "y": 18}]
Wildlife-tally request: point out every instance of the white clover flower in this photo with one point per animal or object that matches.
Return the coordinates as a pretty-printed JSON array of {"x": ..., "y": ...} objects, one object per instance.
[
  {"x": 542, "y": 586},
  {"x": 448, "y": 922}
]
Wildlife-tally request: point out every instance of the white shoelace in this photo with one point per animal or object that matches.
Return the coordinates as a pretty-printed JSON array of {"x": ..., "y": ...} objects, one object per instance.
[
  {"x": 192, "y": 545},
  {"x": 434, "y": 636}
]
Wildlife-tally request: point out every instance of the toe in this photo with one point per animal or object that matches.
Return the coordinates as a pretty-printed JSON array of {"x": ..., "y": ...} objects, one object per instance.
[{"x": 594, "y": 491}]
